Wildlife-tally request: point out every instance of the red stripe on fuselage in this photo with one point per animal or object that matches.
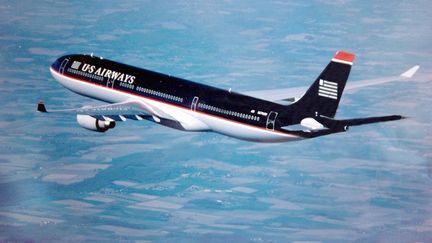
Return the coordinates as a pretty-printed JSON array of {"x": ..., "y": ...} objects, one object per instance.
[{"x": 175, "y": 105}]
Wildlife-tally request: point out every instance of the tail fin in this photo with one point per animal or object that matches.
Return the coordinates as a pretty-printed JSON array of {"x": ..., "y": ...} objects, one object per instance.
[{"x": 323, "y": 97}]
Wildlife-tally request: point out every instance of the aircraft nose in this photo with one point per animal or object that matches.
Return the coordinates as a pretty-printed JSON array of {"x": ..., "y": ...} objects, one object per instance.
[
  {"x": 57, "y": 63},
  {"x": 60, "y": 64}
]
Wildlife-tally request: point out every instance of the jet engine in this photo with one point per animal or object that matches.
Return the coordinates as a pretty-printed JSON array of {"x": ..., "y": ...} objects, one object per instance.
[{"x": 91, "y": 123}]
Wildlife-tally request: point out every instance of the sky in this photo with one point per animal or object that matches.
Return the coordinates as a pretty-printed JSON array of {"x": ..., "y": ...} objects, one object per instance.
[{"x": 148, "y": 183}]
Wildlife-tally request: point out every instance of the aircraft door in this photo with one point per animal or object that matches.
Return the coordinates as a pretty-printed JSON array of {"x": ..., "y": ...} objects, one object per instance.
[
  {"x": 63, "y": 65},
  {"x": 194, "y": 103},
  {"x": 271, "y": 119},
  {"x": 110, "y": 83}
]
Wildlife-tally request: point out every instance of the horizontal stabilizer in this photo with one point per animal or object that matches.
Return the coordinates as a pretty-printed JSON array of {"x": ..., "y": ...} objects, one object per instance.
[
  {"x": 362, "y": 121},
  {"x": 344, "y": 124}
]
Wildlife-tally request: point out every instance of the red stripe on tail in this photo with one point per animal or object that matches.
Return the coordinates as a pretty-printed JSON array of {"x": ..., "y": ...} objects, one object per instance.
[{"x": 344, "y": 56}]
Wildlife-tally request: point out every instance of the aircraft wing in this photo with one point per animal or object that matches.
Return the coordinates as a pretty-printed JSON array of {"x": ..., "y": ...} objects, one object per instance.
[
  {"x": 292, "y": 94},
  {"x": 121, "y": 111},
  {"x": 108, "y": 114}
]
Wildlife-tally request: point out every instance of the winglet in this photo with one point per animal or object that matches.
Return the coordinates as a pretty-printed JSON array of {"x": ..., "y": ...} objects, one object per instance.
[
  {"x": 344, "y": 57},
  {"x": 41, "y": 107},
  {"x": 410, "y": 72}
]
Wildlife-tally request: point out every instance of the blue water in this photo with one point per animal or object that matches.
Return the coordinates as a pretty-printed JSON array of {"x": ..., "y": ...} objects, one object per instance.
[{"x": 145, "y": 182}]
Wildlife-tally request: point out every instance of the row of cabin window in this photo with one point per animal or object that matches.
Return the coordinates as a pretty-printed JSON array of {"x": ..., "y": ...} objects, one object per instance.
[
  {"x": 88, "y": 75},
  {"x": 157, "y": 93},
  {"x": 227, "y": 112}
]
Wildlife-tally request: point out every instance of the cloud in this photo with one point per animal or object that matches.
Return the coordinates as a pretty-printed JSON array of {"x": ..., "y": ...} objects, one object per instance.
[
  {"x": 45, "y": 51},
  {"x": 173, "y": 26},
  {"x": 74, "y": 173},
  {"x": 33, "y": 219},
  {"x": 299, "y": 37},
  {"x": 131, "y": 232},
  {"x": 106, "y": 37}
]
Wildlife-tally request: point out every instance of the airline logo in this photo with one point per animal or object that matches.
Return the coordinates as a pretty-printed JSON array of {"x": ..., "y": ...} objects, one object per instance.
[
  {"x": 103, "y": 72},
  {"x": 76, "y": 65},
  {"x": 328, "y": 89}
]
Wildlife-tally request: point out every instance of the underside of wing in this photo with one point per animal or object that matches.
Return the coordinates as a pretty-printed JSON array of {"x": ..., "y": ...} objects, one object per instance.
[
  {"x": 100, "y": 118},
  {"x": 103, "y": 117},
  {"x": 127, "y": 109}
]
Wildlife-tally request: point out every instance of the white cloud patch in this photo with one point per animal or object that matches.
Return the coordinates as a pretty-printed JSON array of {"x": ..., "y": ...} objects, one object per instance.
[
  {"x": 369, "y": 20},
  {"x": 173, "y": 26},
  {"x": 73, "y": 173},
  {"x": 299, "y": 37},
  {"x": 45, "y": 51}
]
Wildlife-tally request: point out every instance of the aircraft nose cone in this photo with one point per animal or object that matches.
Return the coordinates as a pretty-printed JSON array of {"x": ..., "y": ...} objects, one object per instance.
[
  {"x": 61, "y": 63},
  {"x": 57, "y": 63}
]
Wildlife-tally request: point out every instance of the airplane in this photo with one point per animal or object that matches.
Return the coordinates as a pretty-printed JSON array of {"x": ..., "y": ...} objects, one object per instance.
[{"x": 261, "y": 116}]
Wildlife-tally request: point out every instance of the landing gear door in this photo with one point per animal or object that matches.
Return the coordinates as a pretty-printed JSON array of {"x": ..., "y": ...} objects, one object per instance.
[
  {"x": 271, "y": 120},
  {"x": 194, "y": 103}
]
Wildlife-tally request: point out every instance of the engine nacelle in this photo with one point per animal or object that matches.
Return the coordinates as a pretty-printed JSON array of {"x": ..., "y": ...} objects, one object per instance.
[{"x": 94, "y": 124}]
